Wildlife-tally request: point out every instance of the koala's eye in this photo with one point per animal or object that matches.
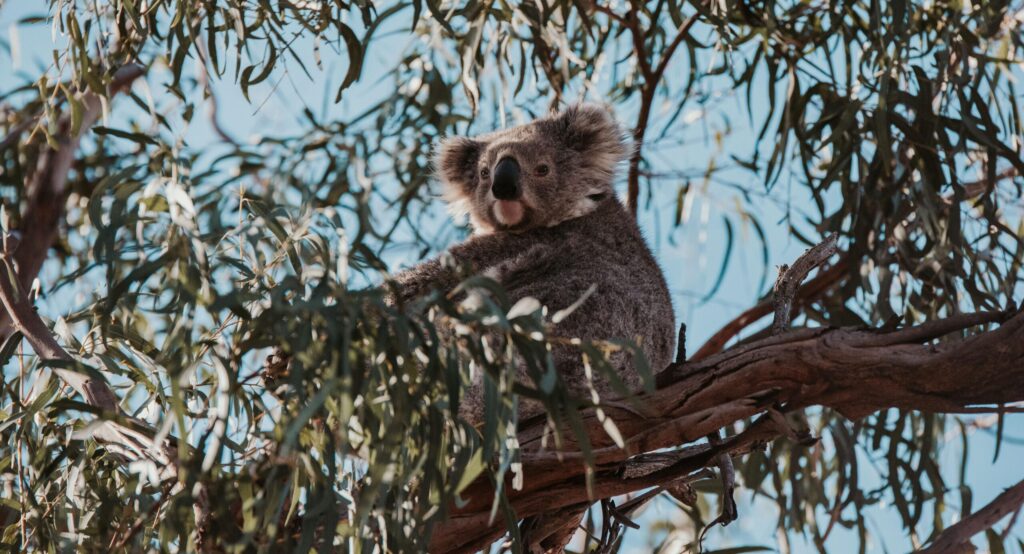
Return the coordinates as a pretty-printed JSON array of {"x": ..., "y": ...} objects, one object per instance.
[
  {"x": 485, "y": 173},
  {"x": 543, "y": 170}
]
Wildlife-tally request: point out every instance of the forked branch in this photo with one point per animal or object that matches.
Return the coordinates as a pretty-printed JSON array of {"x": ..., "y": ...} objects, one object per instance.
[
  {"x": 48, "y": 186},
  {"x": 120, "y": 433}
]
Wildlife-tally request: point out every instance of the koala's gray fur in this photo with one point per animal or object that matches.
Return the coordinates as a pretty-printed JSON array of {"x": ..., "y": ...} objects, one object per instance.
[{"x": 568, "y": 233}]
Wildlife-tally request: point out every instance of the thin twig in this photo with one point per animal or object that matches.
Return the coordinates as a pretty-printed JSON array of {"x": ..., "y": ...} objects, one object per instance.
[
  {"x": 727, "y": 475},
  {"x": 1010, "y": 524},
  {"x": 681, "y": 34},
  {"x": 610, "y": 13},
  {"x": 651, "y": 79},
  {"x": 953, "y": 539},
  {"x": 632, "y": 21}
]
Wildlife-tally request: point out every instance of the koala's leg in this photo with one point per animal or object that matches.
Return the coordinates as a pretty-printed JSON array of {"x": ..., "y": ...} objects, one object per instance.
[
  {"x": 569, "y": 367},
  {"x": 471, "y": 404}
]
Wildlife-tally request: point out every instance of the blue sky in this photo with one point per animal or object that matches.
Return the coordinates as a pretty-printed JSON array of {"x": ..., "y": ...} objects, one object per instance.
[{"x": 689, "y": 255}]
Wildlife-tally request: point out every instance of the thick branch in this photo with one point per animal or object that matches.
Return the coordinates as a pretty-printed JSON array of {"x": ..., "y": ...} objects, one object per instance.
[
  {"x": 853, "y": 371},
  {"x": 956, "y": 537}
]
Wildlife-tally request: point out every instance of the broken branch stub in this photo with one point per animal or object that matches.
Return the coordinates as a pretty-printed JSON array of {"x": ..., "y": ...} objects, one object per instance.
[{"x": 790, "y": 278}]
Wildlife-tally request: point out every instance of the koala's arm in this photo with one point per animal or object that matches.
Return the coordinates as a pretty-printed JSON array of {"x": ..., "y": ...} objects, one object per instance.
[
  {"x": 446, "y": 271},
  {"x": 420, "y": 279}
]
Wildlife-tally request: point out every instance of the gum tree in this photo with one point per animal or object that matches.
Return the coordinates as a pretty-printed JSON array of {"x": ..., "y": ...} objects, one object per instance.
[{"x": 233, "y": 377}]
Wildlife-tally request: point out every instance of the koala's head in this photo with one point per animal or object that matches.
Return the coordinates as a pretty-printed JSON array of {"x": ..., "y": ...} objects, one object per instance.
[{"x": 540, "y": 174}]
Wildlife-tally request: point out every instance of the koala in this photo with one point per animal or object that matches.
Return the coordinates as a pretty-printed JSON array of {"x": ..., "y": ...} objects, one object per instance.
[{"x": 547, "y": 224}]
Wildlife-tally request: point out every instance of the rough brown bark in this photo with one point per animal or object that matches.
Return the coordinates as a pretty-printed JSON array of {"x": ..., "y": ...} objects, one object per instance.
[
  {"x": 790, "y": 278},
  {"x": 854, "y": 371}
]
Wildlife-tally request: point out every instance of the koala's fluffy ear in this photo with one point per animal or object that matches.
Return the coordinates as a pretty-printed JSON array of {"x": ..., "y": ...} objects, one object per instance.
[
  {"x": 455, "y": 165},
  {"x": 592, "y": 130}
]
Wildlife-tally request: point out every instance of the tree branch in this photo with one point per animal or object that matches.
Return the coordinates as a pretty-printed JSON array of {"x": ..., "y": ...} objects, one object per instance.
[
  {"x": 681, "y": 33},
  {"x": 651, "y": 77},
  {"x": 824, "y": 280},
  {"x": 957, "y": 536},
  {"x": 853, "y": 371},
  {"x": 790, "y": 278},
  {"x": 47, "y": 189},
  {"x": 134, "y": 439},
  {"x": 20, "y": 310},
  {"x": 610, "y": 13},
  {"x": 632, "y": 21},
  {"x": 120, "y": 433},
  {"x": 807, "y": 292}
]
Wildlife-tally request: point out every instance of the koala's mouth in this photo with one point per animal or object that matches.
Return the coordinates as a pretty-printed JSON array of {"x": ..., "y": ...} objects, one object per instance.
[{"x": 509, "y": 214}]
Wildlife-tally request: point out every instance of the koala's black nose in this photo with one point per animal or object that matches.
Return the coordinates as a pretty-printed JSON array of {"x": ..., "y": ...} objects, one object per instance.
[{"x": 506, "y": 180}]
